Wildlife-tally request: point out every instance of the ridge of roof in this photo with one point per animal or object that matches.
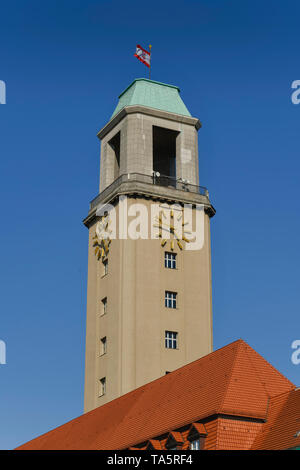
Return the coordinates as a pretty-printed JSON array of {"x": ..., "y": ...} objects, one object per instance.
[
  {"x": 238, "y": 345},
  {"x": 276, "y": 371},
  {"x": 252, "y": 376}
]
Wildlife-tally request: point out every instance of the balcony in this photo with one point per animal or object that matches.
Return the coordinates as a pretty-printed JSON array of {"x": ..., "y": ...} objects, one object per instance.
[{"x": 151, "y": 184}]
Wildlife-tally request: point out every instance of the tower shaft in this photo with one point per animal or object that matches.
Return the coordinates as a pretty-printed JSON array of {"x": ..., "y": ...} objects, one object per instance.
[{"x": 149, "y": 308}]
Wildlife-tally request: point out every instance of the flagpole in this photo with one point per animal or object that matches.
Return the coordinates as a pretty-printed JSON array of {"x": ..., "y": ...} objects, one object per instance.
[{"x": 150, "y": 47}]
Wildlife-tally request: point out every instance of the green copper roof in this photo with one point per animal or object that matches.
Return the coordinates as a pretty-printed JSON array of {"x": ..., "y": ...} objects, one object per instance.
[{"x": 144, "y": 92}]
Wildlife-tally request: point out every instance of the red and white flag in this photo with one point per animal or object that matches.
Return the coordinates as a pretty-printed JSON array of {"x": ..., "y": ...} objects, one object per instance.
[{"x": 143, "y": 55}]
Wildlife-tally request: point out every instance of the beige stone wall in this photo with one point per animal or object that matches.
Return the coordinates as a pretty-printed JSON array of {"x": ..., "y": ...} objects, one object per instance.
[
  {"x": 137, "y": 147},
  {"x": 136, "y": 317}
]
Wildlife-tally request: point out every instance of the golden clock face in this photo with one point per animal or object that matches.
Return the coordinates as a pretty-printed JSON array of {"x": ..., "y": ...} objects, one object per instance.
[
  {"x": 172, "y": 229},
  {"x": 101, "y": 238}
]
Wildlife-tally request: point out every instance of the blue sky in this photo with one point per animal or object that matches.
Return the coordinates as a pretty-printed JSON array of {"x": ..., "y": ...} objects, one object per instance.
[{"x": 64, "y": 64}]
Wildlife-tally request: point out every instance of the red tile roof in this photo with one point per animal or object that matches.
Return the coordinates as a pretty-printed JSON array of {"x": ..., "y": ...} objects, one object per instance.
[
  {"x": 236, "y": 434},
  {"x": 234, "y": 380},
  {"x": 283, "y": 423}
]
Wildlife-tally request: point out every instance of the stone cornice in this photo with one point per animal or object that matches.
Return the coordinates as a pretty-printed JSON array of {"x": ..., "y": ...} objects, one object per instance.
[
  {"x": 149, "y": 112},
  {"x": 148, "y": 191}
]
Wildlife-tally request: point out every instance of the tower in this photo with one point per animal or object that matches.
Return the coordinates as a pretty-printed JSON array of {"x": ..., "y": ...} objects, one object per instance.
[{"x": 149, "y": 297}]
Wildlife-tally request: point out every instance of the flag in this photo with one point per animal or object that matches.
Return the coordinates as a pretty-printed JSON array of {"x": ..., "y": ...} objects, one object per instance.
[{"x": 142, "y": 55}]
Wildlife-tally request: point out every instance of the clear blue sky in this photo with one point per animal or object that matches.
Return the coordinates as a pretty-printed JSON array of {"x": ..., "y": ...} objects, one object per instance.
[{"x": 65, "y": 63}]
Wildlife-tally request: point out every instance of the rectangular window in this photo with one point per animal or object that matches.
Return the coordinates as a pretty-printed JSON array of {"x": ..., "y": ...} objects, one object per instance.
[
  {"x": 195, "y": 445},
  {"x": 171, "y": 339},
  {"x": 102, "y": 390},
  {"x": 170, "y": 260},
  {"x": 170, "y": 299},
  {"x": 164, "y": 154},
  {"x": 104, "y": 306},
  {"x": 103, "y": 346},
  {"x": 113, "y": 154},
  {"x": 105, "y": 267}
]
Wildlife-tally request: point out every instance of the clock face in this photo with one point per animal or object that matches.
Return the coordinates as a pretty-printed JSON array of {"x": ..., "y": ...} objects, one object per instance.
[
  {"x": 172, "y": 229},
  {"x": 102, "y": 239}
]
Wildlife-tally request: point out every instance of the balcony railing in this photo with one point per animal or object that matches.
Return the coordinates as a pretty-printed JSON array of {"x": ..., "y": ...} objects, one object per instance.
[{"x": 161, "y": 180}]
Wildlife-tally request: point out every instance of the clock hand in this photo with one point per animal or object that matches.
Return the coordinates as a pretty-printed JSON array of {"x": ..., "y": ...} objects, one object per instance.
[{"x": 162, "y": 228}]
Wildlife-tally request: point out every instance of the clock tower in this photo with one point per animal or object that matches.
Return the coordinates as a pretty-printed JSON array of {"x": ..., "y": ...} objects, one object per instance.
[{"x": 149, "y": 308}]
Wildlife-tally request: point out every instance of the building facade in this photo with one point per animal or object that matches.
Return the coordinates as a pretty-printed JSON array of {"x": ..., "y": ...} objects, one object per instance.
[{"x": 149, "y": 308}]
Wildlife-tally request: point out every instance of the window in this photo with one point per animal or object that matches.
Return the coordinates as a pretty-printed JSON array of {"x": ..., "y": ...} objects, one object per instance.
[
  {"x": 102, "y": 390},
  {"x": 113, "y": 154},
  {"x": 170, "y": 299},
  {"x": 171, "y": 340},
  {"x": 103, "y": 346},
  {"x": 104, "y": 306},
  {"x": 164, "y": 153},
  {"x": 105, "y": 267},
  {"x": 170, "y": 260},
  {"x": 195, "y": 445}
]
